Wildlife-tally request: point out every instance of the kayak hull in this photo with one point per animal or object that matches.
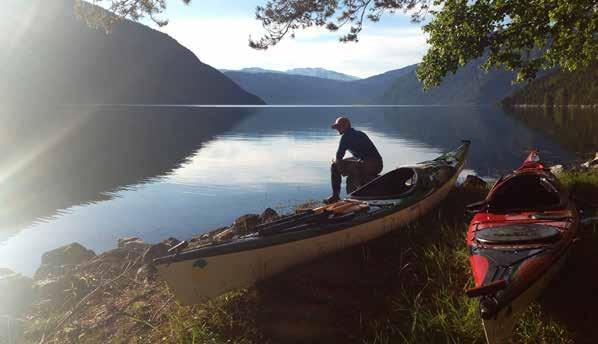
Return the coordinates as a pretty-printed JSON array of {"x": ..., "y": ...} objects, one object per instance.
[
  {"x": 204, "y": 275},
  {"x": 518, "y": 242},
  {"x": 499, "y": 329}
]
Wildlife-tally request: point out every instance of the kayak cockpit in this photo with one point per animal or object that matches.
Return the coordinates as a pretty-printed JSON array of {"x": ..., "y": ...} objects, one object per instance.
[
  {"x": 525, "y": 192},
  {"x": 392, "y": 185},
  {"x": 518, "y": 234}
]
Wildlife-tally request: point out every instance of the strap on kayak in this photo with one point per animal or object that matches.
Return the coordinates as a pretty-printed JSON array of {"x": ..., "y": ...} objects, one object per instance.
[
  {"x": 490, "y": 288},
  {"x": 277, "y": 227}
]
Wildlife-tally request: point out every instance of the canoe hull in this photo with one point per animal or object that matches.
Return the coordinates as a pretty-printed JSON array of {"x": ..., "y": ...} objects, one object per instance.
[
  {"x": 201, "y": 277},
  {"x": 197, "y": 280}
]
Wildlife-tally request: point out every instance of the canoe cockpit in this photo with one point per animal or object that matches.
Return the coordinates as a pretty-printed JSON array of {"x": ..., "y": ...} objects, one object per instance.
[
  {"x": 392, "y": 185},
  {"x": 525, "y": 192}
]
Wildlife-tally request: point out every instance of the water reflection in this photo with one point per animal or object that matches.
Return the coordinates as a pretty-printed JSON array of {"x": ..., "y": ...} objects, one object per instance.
[
  {"x": 499, "y": 141},
  {"x": 52, "y": 159},
  {"x": 575, "y": 128},
  {"x": 103, "y": 173}
]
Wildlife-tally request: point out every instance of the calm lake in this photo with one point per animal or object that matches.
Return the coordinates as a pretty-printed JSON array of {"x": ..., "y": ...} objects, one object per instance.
[{"x": 94, "y": 174}]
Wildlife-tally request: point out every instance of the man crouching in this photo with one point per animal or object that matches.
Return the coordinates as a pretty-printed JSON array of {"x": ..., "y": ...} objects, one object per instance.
[{"x": 364, "y": 166}]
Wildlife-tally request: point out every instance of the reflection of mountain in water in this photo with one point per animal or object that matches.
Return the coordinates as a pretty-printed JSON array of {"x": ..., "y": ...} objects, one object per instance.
[
  {"x": 573, "y": 127},
  {"x": 52, "y": 160},
  {"x": 500, "y": 143}
]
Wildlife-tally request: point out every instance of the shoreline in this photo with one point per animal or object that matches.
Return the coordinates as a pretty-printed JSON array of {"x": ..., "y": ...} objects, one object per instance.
[{"x": 406, "y": 286}]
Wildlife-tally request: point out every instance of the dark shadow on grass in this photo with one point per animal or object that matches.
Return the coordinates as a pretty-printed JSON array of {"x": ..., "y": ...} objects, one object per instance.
[
  {"x": 572, "y": 298},
  {"x": 337, "y": 298}
]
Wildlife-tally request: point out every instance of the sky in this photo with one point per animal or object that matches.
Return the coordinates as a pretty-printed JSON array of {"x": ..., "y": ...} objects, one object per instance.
[{"x": 217, "y": 32}]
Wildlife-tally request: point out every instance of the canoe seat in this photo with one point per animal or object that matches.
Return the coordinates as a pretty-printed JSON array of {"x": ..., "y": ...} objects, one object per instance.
[{"x": 518, "y": 234}]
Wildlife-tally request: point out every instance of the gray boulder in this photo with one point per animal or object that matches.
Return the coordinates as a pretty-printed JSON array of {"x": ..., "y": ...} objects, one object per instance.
[
  {"x": 246, "y": 224},
  {"x": 155, "y": 251},
  {"x": 474, "y": 182},
  {"x": 133, "y": 244},
  {"x": 71, "y": 254},
  {"x": 225, "y": 235},
  {"x": 269, "y": 215},
  {"x": 557, "y": 169},
  {"x": 592, "y": 163},
  {"x": 62, "y": 260},
  {"x": 171, "y": 242}
]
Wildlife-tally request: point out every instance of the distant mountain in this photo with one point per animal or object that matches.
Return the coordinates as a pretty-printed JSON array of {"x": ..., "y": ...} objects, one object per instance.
[
  {"x": 560, "y": 88},
  {"x": 374, "y": 86},
  {"x": 258, "y": 70},
  {"x": 470, "y": 85},
  {"x": 313, "y": 72},
  {"x": 322, "y": 73},
  {"x": 50, "y": 56},
  {"x": 278, "y": 88}
]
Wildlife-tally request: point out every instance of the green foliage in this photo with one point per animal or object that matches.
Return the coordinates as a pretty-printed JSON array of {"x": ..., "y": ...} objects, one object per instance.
[
  {"x": 521, "y": 35},
  {"x": 560, "y": 88},
  {"x": 119, "y": 10},
  {"x": 536, "y": 327}
]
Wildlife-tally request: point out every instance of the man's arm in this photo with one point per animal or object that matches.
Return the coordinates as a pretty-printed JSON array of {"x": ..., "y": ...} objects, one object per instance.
[{"x": 342, "y": 148}]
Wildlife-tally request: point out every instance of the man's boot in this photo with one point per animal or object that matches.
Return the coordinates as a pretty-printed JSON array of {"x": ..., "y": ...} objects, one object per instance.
[{"x": 332, "y": 199}]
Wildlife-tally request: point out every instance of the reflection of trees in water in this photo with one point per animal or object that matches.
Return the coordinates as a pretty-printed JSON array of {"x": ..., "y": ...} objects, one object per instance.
[
  {"x": 499, "y": 142},
  {"x": 575, "y": 128},
  {"x": 51, "y": 160}
]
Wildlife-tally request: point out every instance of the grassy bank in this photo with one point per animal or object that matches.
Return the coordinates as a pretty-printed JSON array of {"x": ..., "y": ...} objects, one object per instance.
[{"x": 407, "y": 287}]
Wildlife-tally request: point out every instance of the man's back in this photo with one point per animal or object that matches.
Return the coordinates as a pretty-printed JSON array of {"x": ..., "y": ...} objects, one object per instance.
[{"x": 359, "y": 144}]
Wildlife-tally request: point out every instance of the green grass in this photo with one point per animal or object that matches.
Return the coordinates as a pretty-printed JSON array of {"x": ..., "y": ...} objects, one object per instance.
[
  {"x": 407, "y": 287},
  {"x": 433, "y": 308},
  {"x": 582, "y": 186}
]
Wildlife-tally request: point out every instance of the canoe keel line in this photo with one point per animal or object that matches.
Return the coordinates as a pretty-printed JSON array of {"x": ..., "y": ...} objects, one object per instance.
[
  {"x": 384, "y": 204},
  {"x": 518, "y": 241}
]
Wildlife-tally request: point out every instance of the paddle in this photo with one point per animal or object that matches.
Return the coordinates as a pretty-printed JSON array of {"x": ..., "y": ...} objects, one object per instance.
[
  {"x": 325, "y": 214},
  {"x": 288, "y": 224}
]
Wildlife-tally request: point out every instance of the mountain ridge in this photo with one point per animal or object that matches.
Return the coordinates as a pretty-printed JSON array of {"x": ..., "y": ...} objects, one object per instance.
[
  {"x": 312, "y": 72},
  {"x": 470, "y": 85},
  {"x": 59, "y": 59}
]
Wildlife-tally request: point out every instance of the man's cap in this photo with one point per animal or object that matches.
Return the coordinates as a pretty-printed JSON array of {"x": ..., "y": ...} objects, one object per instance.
[{"x": 341, "y": 122}]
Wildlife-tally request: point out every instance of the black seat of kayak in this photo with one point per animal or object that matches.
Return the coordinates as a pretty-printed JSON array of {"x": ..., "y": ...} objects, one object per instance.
[
  {"x": 525, "y": 192},
  {"x": 518, "y": 234},
  {"x": 394, "y": 184}
]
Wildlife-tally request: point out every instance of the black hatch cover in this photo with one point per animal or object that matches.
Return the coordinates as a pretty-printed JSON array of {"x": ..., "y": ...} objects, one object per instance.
[{"x": 518, "y": 234}]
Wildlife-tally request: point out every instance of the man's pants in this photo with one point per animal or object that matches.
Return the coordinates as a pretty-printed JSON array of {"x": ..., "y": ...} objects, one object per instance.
[{"x": 358, "y": 172}]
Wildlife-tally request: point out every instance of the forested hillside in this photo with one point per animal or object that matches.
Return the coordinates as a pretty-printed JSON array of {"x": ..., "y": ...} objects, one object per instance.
[
  {"x": 560, "y": 88},
  {"x": 470, "y": 85}
]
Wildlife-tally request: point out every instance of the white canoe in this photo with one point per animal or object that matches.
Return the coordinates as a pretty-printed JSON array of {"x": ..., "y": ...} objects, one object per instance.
[{"x": 196, "y": 275}]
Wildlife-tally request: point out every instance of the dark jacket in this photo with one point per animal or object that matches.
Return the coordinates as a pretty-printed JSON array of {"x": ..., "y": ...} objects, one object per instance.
[{"x": 359, "y": 144}]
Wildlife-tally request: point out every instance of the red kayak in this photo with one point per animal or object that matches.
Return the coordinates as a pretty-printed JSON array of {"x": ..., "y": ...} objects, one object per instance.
[{"x": 518, "y": 240}]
